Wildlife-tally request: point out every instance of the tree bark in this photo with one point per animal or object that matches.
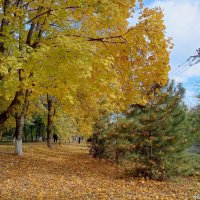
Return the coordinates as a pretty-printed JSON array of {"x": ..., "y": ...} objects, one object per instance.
[
  {"x": 116, "y": 142},
  {"x": 51, "y": 113},
  {"x": 4, "y": 23},
  {"x": 31, "y": 133},
  {"x": 6, "y": 114},
  {"x": 1, "y": 136},
  {"x": 20, "y": 120}
]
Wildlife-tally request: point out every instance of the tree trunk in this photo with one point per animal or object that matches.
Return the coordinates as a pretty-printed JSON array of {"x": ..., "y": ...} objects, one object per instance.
[
  {"x": 1, "y": 136},
  {"x": 31, "y": 133},
  {"x": 116, "y": 141},
  {"x": 19, "y": 133},
  {"x": 6, "y": 114},
  {"x": 4, "y": 23},
  {"x": 51, "y": 113},
  {"x": 20, "y": 120}
]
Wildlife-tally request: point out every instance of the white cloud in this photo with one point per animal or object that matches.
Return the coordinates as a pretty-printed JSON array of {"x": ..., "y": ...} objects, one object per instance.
[
  {"x": 191, "y": 72},
  {"x": 182, "y": 19}
]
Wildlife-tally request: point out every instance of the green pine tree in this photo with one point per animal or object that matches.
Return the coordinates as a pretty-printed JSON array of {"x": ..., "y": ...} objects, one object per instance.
[
  {"x": 159, "y": 131},
  {"x": 150, "y": 138}
]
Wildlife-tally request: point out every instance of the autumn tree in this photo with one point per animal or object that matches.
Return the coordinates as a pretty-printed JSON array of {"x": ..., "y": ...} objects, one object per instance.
[{"x": 82, "y": 52}]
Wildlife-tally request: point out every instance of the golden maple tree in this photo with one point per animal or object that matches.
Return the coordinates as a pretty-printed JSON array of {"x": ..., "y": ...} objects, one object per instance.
[{"x": 83, "y": 52}]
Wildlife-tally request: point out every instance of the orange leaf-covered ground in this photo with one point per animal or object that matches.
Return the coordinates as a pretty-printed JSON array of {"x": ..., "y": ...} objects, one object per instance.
[{"x": 68, "y": 172}]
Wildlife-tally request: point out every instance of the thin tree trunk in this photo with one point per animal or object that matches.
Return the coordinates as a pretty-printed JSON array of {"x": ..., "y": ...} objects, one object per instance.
[
  {"x": 150, "y": 147},
  {"x": 31, "y": 133},
  {"x": 50, "y": 100},
  {"x": 116, "y": 142},
  {"x": 25, "y": 134},
  {"x": 1, "y": 136}
]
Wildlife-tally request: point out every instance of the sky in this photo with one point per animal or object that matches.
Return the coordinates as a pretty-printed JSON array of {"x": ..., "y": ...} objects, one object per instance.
[{"x": 182, "y": 20}]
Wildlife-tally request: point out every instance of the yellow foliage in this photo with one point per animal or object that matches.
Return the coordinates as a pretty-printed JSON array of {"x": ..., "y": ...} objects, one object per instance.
[
  {"x": 84, "y": 53},
  {"x": 71, "y": 173}
]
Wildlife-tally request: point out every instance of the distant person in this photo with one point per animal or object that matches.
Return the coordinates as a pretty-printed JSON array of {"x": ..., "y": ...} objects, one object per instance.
[{"x": 55, "y": 137}]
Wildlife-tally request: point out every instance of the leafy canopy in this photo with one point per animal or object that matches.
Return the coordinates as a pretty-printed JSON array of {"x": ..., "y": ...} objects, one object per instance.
[{"x": 83, "y": 52}]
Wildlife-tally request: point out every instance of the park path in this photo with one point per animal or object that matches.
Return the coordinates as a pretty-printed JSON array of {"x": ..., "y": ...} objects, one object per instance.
[{"x": 69, "y": 172}]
